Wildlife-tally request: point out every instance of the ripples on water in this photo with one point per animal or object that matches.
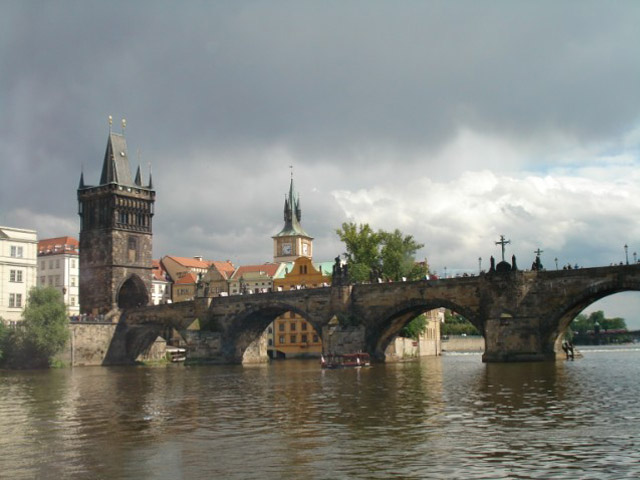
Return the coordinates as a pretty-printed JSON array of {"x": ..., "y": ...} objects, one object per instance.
[{"x": 447, "y": 417}]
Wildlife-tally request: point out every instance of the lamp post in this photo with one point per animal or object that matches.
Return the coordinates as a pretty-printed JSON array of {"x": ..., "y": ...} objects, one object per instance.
[
  {"x": 635, "y": 257},
  {"x": 626, "y": 253},
  {"x": 479, "y": 265},
  {"x": 445, "y": 272},
  {"x": 556, "y": 259}
]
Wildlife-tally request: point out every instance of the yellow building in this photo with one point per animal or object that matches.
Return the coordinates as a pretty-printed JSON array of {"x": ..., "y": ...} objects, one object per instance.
[{"x": 293, "y": 336}]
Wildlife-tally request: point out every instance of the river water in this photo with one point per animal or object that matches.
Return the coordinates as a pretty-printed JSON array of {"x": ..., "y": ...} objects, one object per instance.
[{"x": 445, "y": 417}]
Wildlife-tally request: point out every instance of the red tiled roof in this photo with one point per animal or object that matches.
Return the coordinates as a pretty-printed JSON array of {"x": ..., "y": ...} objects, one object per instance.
[
  {"x": 268, "y": 268},
  {"x": 159, "y": 273},
  {"x": 188, "y": 278},
  {"x": 224, "y": 267},
  {"x": 191, "y": 262},
  {"x": 48, "y": 246}
]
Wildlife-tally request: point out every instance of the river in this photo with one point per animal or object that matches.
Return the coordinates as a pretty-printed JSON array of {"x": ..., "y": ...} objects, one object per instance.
[{"x": 445, "y": 417}]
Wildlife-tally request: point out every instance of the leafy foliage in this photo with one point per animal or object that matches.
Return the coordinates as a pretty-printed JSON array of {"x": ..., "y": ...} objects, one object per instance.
[
  {"x": 387, "y": 254},
  {"x": 3, "y": 337},
  {"x": 42, "y": 333},
  {"x": 415, "y": 327},
  {"x": 455, "y": 324},
  {"x": 583, "y": 323}
]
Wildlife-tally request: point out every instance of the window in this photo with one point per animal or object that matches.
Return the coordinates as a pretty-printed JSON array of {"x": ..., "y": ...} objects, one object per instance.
[
  {"x": 304, "y": 325},
  {"x": 50, "y": 264},
  {"x": 43, "y": 280},
  {"x": 12, "y": 275},
  {"x": 51, "y": 280},
  {"x": 43, "y": 265},
  {"x": 281, "y": 339},
  {"x": 73, "y": 263},
  {"x": 292, "y": 326},
  {"x": 73, "y": 280},
  {"x": 270, "y": 330},
  {"x": 315, "y": 339},
  {"x": 58, "y": 263},
  {"x": 73, "y": 301},
  {"x": 16, "y": 252},
  {"x": 293, "y": 338},
  {"x": 281, "y": 327},
  {"x": 270, "y": 342},
  {"x": 132, "y": 249},
  {"x": 57, "y": 280},
  {"x": 303, "y": 338},
  {"x": 15, "y": 300}
]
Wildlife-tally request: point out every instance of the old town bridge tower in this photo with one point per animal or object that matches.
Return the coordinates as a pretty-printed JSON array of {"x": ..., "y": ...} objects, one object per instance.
[{"x": 115, "y": 234}]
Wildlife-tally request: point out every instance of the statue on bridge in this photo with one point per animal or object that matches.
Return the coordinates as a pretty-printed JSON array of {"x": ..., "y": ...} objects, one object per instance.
[{"x": 340, "y": 273}]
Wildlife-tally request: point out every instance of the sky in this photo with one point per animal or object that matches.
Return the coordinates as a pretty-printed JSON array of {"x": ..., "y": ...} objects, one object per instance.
[{"x": 455, "y": 122}]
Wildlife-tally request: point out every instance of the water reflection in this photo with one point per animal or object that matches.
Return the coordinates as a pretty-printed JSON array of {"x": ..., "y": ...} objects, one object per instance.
[{"x": 447, "y": 417}]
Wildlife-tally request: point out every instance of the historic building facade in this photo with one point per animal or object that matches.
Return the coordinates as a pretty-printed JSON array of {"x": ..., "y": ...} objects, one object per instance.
[
  {"x": 18, "y": 271},
  {"x": 58, "y": 267},
  {"x": 115, "y": 234}
]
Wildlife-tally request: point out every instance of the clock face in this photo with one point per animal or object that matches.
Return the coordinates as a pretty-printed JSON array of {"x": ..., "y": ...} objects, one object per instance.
[
  {"x": 305, "y": 249},
  {"x": 286, "y": 248}
]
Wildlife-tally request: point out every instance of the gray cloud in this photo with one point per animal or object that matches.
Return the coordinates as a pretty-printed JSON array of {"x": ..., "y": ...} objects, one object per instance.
[{"x": 402, "y": 114}]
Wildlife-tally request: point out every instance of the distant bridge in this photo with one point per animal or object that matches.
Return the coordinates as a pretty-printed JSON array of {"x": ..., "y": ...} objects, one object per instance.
[{"x": 522, "y": 315}]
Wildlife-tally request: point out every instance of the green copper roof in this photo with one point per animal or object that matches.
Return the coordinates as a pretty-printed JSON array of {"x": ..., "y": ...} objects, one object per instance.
[{"x": 292, "y": 216}]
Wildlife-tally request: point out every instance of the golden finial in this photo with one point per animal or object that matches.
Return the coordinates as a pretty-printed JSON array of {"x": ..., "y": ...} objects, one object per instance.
[
  {"x": 123, "y": 123},
  {"x": 110, "y": 122}
]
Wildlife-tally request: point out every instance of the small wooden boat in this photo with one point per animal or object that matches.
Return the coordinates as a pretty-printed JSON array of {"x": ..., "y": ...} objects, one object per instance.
[{"x": 346, "y": 360}]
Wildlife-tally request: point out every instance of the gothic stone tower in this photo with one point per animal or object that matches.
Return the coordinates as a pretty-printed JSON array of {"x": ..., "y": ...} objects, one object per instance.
[
  {"x": 115, "y": 235},
  {"x": 292, "y": 241}
]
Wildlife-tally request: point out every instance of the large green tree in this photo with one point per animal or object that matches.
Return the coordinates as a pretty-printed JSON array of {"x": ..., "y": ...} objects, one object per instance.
[
  {"x": 42, "y": 333},
  {"x": 387, "y": 254}
]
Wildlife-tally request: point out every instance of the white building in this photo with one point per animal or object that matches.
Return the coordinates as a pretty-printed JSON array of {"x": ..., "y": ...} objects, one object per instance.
[
  {"x": 160, "y": 284},
  {"x": 18, "y": 270},
  {"x": 58, "y": 267}
]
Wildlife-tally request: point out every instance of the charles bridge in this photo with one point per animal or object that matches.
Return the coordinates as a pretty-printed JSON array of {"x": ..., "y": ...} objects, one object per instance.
[{"x": 521, "y": 314}]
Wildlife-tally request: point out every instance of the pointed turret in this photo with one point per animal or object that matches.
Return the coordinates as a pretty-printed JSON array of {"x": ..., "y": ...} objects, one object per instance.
[
  {"x": 138, "y": 179},
  {"x": 115, "y": 167},
  {"x": 81, "y": 184},
  {"x": 150, "y": 186},
  {"x": 292, "y": 214}
]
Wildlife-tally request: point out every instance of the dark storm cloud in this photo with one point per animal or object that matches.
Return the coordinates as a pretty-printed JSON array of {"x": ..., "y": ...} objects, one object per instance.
[{"x": 222, "y": 96}]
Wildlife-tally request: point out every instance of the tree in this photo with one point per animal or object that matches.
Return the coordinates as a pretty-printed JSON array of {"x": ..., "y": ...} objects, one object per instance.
[
  {"x": 387, "y": 254},
  {"x": 3, "y": 336},
  {"x": 415, "y": 327},
  {"x": 584, "y": 324},
  {"x": 455, "y": 324},
  {"x": 43, "y": 331}
]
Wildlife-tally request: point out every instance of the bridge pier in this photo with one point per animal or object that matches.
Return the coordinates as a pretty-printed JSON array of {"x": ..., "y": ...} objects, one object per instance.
[{"x": 516, "y": 339}]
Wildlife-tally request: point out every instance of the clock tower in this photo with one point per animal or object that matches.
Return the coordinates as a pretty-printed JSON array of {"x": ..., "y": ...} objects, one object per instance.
[{"x": 292, "y": 241}]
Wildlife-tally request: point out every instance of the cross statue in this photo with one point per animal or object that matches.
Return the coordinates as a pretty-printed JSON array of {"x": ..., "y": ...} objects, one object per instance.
[
  {"x": 538, "y": 251},
  {"x": 503, "y": 242}
]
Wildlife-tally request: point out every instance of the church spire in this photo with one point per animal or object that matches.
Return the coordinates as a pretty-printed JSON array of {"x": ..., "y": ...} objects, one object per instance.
[{"x": 292, "y": 213}]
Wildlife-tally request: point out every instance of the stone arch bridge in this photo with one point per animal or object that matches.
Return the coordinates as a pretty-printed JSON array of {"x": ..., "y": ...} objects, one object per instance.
[{"x": 520, "y": 314}]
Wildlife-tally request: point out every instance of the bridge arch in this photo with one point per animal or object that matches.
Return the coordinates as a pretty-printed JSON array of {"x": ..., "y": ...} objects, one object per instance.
[
  {"x": 562, "y": 316},
  {"x": 391, "y": 321},
  {"x": 132, "y": 293},
  {"x": 249, "y": 325}
]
